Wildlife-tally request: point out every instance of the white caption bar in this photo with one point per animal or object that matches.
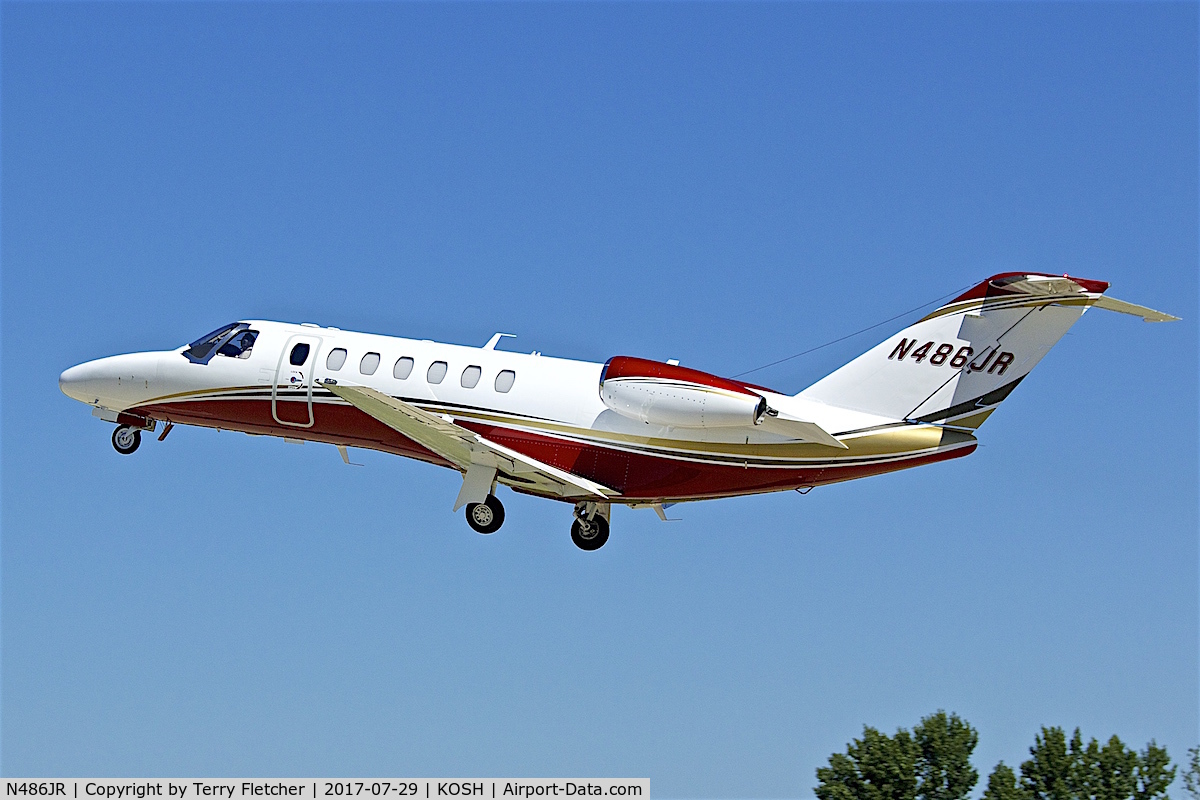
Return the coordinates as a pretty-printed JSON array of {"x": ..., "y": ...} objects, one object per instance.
[{"x": 322, "y": 788}]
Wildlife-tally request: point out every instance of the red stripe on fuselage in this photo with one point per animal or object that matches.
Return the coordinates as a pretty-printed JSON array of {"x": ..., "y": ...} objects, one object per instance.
[
  {"x": 640, "y": 476},
  {"x": 332, "y": 423},
  {"x": 637, "y": 476}
]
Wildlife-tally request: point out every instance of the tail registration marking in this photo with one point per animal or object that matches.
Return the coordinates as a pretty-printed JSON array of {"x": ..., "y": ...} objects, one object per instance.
[{"x": 941, "y": 355}]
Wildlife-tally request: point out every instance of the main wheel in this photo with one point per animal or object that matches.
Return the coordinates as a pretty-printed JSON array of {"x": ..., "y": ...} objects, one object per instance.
[
  {"x": 590, "y": 534},
  {"x": 485, "y": 517},
  {"x": 126, "y": 439}
]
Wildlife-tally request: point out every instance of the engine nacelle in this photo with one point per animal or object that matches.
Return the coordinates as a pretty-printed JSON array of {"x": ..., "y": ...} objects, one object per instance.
[{"x": 666, "y": 394}]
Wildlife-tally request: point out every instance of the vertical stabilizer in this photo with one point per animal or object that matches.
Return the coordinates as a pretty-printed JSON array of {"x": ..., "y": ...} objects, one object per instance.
[{"x": 957, "y": 364}]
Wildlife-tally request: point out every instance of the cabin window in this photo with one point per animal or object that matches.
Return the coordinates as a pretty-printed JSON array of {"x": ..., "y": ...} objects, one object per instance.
[
  {"x": 437, "y": 371},
  {"x": 505, "y": 380},
  {"x": 299, "y": 354},
  {"x": 336, "y": 358},
  {"x": 402, "y": 369},
  {"x": 369, "y": 363},
  {"x": 470, "y": 376}
]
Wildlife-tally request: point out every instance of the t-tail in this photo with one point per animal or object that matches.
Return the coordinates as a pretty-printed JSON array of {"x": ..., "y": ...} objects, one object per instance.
[{"x": 957, "y": 364}]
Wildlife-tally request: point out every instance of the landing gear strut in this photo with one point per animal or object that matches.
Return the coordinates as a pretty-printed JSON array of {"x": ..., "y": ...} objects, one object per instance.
[
  {"x": 590, "y": 529},
  {"x": 126, "y": 439},
  {"x": 485, "y": 517}
]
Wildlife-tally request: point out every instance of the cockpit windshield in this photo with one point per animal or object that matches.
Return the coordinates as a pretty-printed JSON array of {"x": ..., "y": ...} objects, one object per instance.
[{"x": 234, "y": 340}]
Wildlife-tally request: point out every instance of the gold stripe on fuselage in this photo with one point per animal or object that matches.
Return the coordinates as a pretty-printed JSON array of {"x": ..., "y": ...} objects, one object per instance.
[
  {"x": 972, "y": 421},
  {"x": 884, "y": 444},
  {"x": 888, "y": 442}
]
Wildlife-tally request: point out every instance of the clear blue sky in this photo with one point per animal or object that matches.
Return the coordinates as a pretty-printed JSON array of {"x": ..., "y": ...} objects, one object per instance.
[{"x": 726, "y": 184}]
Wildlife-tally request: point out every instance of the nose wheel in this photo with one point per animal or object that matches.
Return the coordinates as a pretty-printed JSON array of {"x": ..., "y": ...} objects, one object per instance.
[
  {"x": 485, "y": 517},
  {"x": 126, "y": 439}
]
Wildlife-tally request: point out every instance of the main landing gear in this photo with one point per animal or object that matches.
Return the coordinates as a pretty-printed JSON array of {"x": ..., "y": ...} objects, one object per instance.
[
  {"x": 588, "y": 532},
  {"x": 485, "y": 517},
  {"x": 590, "y": 529}
]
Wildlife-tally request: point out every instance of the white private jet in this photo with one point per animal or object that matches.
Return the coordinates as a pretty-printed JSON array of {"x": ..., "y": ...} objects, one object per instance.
[{"x": 631, "y": 431}]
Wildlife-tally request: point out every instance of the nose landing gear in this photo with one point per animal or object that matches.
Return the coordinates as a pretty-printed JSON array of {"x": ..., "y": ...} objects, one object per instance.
[{"x": 126, "y": 439}]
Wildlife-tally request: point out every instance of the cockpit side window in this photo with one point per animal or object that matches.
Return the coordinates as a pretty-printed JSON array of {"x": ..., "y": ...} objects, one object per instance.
[
  {"x": 203, "y": 349},
  {"x": 239, "y": 346}
]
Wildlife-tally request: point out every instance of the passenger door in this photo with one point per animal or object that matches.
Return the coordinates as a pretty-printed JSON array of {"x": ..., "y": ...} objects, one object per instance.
[{"x": 291, "y": 394}]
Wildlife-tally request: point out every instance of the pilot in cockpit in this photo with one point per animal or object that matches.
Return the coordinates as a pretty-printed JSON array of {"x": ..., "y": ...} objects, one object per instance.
[{"x": 239, "y": 346}]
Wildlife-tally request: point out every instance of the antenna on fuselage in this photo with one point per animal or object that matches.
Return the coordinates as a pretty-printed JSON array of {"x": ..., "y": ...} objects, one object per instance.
[{"x": 495, "y": 340}]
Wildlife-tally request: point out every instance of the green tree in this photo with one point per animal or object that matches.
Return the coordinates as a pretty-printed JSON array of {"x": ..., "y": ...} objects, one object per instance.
[
  {"x": 875, "y": 767},
  {"x": 1191, "y": 775},
  {"x": 931, "y": 763},
  {"x": 1047, "y": 775},
  {"x": 934, "y": 763},
  {"x": 1002, "y": 784},
  {"x": 1102, "y": 773},
  {"x": 944, "y": 769},
  {"x": 1155, "y": 773},
  {"x": 1062, "y": 770}
]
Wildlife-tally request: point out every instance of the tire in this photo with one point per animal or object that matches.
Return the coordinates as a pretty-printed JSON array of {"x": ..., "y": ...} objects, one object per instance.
[
  {"x": 485, "y": 517},
  {"x": 126, "y": 439},
  {"x": 590, "y": 535}
]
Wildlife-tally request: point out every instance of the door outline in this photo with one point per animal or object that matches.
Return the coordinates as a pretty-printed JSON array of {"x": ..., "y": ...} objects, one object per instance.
[{"x": 315, "y": 341}]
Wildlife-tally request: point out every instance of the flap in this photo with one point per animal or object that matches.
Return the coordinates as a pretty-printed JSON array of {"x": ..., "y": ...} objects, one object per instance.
[{"x": 439, "y": 434}]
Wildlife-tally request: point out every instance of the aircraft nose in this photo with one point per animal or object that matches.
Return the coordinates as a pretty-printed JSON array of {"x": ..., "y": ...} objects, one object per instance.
[
  {"x": 115, "y": 382},
  {"x": 77, "y": 382}
]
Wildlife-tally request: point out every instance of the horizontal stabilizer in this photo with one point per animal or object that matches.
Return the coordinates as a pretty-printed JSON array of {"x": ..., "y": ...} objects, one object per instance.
[
  {"x": 787, "y": 425},
  {"x": 1121, "y": 307}
]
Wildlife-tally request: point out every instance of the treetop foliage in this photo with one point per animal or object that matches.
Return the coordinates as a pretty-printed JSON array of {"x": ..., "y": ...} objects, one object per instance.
[
  {"x": 1059, "y": 769},
  {"x": 1191, "y": 776},
  {"x": 1002, "y": 784},
  {"x": 933, "y": 762},
  {"x": 946, "y": 743}
]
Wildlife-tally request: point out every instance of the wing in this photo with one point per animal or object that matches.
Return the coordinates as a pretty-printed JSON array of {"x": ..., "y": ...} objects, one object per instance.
[{"x": 482, "y": 460}]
